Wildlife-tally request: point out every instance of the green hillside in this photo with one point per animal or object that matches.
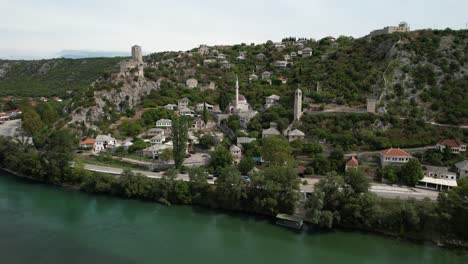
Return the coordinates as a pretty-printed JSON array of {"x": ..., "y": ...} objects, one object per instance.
[{"x": 51, "y": 77}]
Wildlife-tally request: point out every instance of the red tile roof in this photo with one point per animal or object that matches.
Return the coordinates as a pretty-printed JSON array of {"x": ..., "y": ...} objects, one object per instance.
[
  {"x": 451, "y": 142},
  {"x": 87, "y": 141},
  {"x": 395, "y": 152},
  {"x": 352, "y": 162}
]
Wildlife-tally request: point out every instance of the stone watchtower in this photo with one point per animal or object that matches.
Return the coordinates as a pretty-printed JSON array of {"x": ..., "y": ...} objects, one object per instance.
[
  {"x": 371, "y": 105},
  {"x": 137, "y": 54},
  {"x": 297, "y": 105}
]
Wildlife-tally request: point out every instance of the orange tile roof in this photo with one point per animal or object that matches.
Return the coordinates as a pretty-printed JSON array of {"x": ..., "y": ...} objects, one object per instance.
[
  {"x": 87, "y": 141},
  {"x": 395, "y": 152},
  {"x": 451, "y": 142},
  {"x": 352, "y": 162}
]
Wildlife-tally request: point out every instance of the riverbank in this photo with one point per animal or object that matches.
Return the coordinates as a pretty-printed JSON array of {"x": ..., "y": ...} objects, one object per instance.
[{"x": 456, "y": 245}]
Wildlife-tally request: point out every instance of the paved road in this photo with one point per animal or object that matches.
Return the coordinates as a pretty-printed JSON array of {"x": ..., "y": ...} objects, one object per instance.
[
  {"x": 149, "y": 174},
  {"x": 381, "y": 190},
  {"x": 8, "y": 129}
]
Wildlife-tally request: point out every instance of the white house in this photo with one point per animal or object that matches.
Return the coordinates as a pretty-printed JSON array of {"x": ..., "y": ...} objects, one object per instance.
[
  {"x": 455, "y": 146},
  {"x": 201, "y": 106},
  {"x": 171, "y": 107},
  {"x": 272, "y": 131},
  {"x": 183, "y": 102},
  {"x": 164, "y": 123},
  {"x": 253, "y": 77},
  {"x": 280, "y": 64},
  {"x": 293, "y": 54},
  {"x": 236, "y": 153},
  {"x": 271, "y": 101},
  {"x": 295, "y": 134},
  {"x": 103, "y": 142},
  {"x": 155, "y": 132},
  {"x": 393, "y": 156},
  {"x": 158, "y": 139},
  {"x": 192, "y": 83},
  {"x": 307, "y": 52},
  {"x": 436, "y": 184},
  {"x": 260, "y": 56},
  {"x": 185, "y": 111},
  {"x": 438, "y": 172}
]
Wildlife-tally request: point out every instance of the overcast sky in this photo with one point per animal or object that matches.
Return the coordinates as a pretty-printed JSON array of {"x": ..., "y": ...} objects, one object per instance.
[{"x": 43, "y": 28}]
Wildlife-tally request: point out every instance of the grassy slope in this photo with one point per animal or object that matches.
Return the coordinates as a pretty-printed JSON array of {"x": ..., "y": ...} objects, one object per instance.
[{"x": 52, "y": 77}]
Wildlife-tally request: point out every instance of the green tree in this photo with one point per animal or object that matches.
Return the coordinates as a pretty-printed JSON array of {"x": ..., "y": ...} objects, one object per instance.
[
  {"x": 205, "y": 114},
  {"x": 246, "y": 165},
  {"x": 207, "y": 141},
  {"x": 179, "y": 139},
  {"x": 166, "y": 154},
  {"x": 220, "y": 158},
  {"x": 31, "y": 120},
  {"x": 411, "y": 172},
  {"x": 453, "y": 208},
  {"x": 230, "y": 188},
  {"x": 277, "y": 151},
  {"x": 357, "y": 180}
]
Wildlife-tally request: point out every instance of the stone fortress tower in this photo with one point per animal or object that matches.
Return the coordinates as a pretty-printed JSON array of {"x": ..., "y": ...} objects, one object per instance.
[
  {"x": 133, "y": 67},
  {"x": 137, "y": 54},
  {"x": 297, "y": 104}
]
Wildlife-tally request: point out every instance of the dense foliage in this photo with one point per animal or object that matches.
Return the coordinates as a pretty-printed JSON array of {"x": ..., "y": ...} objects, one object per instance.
[{"x": 52, "y": 77}]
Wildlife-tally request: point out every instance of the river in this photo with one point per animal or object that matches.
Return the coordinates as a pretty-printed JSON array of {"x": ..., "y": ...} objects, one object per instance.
[{"x": 45, "y": 224}]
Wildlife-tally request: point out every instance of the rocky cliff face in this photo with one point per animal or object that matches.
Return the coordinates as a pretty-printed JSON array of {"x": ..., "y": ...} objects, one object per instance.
[{"x": 128, "y": 96}]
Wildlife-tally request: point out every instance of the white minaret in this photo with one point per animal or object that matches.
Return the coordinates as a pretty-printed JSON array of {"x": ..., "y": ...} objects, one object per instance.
[
  {"x": 137, "y": 54},
  {"x": 237, "y": 93},
  {"x": 297, "y": 104}
]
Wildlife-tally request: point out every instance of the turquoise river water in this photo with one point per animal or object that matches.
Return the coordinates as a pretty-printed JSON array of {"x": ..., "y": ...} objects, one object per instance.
[{"x": 44, "y": 224}]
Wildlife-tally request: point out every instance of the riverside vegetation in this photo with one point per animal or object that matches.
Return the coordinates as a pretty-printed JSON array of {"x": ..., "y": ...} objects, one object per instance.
[{"x": 338, "y": 201}]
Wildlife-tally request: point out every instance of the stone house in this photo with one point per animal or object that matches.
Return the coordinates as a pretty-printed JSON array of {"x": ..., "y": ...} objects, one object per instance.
[
  {"x": 199, "y": 108},
  {"x": 280, "y": 64},
  {"x": 185, "y": 111},
  {"x": 203, "y": 50},
  {"x": 198, "y": 124},
  {"x": 455, "y": 146},
  {"x": 392, "y": 156},
  {"x": 171, "y": 107},
  {"x": 272, "y": 131},
  {"x": 192, "y": 83},
  {"x": 158, "y": 139},
  {"x": 245, "y": 117},
  {"x": 103, "y": 142},
  {"x": 352, "y": 163},
  {"x": 155, "y": 132},
  {"x": 266, "y": 75},
  {"x": 183, "y": 102},
  {"x": 260, "y": 56},
  {"x": 271, "y": 100},
  {"x": 438, "y": 172},
  {"x": 245, "y": 140},
  {"x": 295, "y": 134},
  {"x": 307, "y": 52},
  {"x": 236, "y": 153},
  {"x": 253, "y": 77},
  {"x": 164, "y": 123},
  {"x": 462, "y": 169},
  {"x": 225, "y": 64},
  {"x": 293, "y": 55}
]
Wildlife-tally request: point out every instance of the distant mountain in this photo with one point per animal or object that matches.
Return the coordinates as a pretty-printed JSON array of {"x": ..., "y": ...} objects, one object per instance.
[{"x": 79, "y": 54}]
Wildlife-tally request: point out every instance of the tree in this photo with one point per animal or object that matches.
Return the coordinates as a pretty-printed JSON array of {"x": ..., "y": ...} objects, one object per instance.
[
  {"x": 453, "y": 207},
  {"x": 31, "y": 120},
  {"x": 390, "y": 173},
  {"x": 220, "y": 158},
  {"x": 207, "y": 141},
  {"x": 205, "y": 114},
  {"x": 230, "y": 188},
  {"x": 199, "y": 186},
  {"x": 166, "y": 155},
  {"x": 276, "y": 151},
  {"x": 179, "y": 139},
  {"x": 357, "y": 180},
  {"x": 130, "y": 128},
  {"x": 411, "y": 172},
  {"x": 223, "y": 101},
  {"x": 246, "y": 165}
]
